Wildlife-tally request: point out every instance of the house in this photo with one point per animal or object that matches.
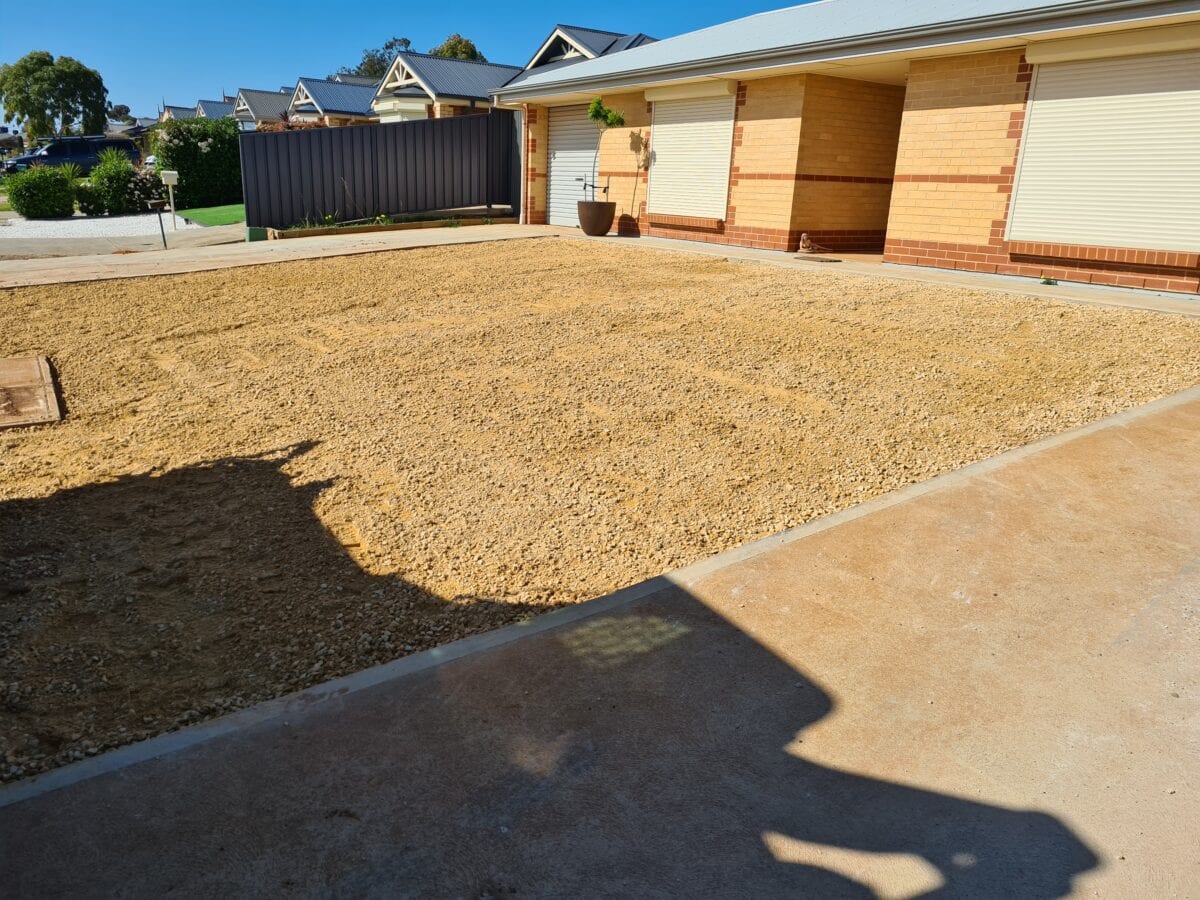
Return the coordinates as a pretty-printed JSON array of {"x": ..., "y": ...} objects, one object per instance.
[
  {"x": 214, "y": 109},
  {"x": 253, "y": 108},
  {"x": 177, "y": 112},
  {"x": 1006, "y": 136},
  {"x": 333, "y": 102},
  {"x": 421, "y": 86},
  {"x": 570, "y": 43}
]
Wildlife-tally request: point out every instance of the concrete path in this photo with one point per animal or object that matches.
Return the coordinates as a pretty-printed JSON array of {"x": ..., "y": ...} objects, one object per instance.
[
  {"x": 19, "y": 249},
  {"x": 855, "y": 263},
  {"x": 18, "y": 273},
  {"x": 986, "y": 685}
]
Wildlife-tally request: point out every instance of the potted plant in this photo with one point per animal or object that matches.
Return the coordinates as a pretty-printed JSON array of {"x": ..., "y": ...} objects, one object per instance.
[{"x": 596, "y": 216}]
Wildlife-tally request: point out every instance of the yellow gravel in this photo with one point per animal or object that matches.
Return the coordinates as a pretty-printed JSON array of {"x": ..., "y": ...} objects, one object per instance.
[{"x": 273, "y": 475}]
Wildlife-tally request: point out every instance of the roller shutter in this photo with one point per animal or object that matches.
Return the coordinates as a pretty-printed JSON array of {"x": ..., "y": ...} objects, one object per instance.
[
  {"x": 572, "y": 156},
  {"x": 1111, "y": 154},
  {"x": 690, "y": 145}
]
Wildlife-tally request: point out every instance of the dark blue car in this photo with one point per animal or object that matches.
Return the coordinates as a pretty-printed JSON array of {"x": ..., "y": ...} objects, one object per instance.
[{"x": 82, "y": 151}]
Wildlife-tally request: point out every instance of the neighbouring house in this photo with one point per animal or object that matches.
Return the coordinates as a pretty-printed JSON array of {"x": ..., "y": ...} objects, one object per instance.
[
  {"x": 570, "y": 43},
  {"x": 253, "y": 108},
  {"x": 177, "y": 112},
  {"x": 1006, "y": 136},
  {"x": 354, "y": 79},
  {"x": 333, "y": 102},
  {"x": 421, "y": 86},
  {"x": 214, "y": 109}
]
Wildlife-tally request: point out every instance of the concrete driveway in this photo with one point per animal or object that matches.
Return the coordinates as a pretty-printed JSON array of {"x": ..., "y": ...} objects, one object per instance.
[{"x": 986, "y": 685}]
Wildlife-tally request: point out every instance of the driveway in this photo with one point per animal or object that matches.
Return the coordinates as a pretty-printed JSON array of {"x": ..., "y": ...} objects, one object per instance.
[
  {"x": 982, "y": 686},
  {"x": 275, "y": 475}
]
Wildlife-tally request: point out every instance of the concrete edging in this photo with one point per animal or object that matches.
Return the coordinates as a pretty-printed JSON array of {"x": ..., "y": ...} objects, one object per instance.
[{"x": 297, "y": 703}]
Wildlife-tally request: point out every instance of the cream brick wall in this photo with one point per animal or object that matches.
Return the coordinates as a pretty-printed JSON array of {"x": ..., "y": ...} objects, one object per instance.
[
  {"x": 624, "y": 153},
  {"x": 850, "y": 127},
  {"x": 959, "y": 117},
  {"x": 536, "y": 142},
  {"x": 767, "y": 142}
]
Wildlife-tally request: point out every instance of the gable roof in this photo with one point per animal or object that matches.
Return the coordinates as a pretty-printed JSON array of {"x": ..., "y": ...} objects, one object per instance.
[
  {"x": 824, "y": 30},
  {"x": 179, "y": 112},
  {"x": 588, "y": 43},
  {"x": 441, "y": 77},
  {"x": 262, "y": 106},
  {"x": 335, "y": 96},
  {"x": 214, "y": 109}
]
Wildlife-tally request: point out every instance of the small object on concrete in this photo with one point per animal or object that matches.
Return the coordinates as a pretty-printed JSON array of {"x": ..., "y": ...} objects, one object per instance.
[
  {"x": 157, "y": 206},
  {"x": 170, "y": 179},
  {"x": 27, "y": 395}
]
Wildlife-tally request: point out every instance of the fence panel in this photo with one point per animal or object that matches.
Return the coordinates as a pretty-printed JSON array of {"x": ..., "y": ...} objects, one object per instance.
[{"x": 361, "y": 171}]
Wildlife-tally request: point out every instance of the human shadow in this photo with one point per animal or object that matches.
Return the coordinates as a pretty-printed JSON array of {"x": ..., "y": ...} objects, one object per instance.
[{"x": 652, "y": 749}]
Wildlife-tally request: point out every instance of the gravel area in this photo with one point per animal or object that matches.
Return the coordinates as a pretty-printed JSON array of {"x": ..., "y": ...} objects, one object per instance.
[
  {"x": 81, "y": 226},
  {"x": 274, "y": 475}
]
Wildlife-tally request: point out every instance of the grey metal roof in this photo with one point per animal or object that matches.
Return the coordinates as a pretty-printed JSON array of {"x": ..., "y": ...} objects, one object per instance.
[
  {"x": 812, "y": 25},
  {"x": 457, "y": 78},
  {"x": 339, "y": 96},
  {"x": 181, "y": 112},
  {"x": 593, "y": 40},
  {"x": 214, "y": 109},
  {"x": 266, "y": 106},
  {"x": 355, "y": 79}
]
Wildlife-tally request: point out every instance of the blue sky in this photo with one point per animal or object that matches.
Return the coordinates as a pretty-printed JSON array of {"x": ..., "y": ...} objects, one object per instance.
[{"x": 185, "y": 51}]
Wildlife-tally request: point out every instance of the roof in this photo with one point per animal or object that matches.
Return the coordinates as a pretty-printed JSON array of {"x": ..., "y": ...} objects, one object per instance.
[
  {"x": 339, "y": 96},
  {"x": 444, "y": 76},
  {"x": 214, "y": 109},
  {"x": 180, "y": 112},
  {"x": 354, "y": 79},
  {"x": 266, "y": 106},
  {"x": 590, "y": 42},
  {"x": 801, "y": 33}
]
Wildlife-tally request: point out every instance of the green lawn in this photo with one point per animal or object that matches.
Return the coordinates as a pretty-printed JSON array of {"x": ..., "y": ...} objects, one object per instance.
[{"x": 216, "y": 215}]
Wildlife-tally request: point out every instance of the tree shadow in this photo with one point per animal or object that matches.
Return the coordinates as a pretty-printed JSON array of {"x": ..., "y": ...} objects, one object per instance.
[
  {"x": 138, "y": 605},
  {"x": 654, "y": 750}
]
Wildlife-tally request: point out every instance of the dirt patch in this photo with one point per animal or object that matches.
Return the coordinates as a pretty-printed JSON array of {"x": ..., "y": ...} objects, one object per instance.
[{"x": 275, "y": 475}]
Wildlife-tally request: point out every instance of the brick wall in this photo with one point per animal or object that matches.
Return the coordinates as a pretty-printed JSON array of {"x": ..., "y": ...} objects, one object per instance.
[
  {"x": 624, "y": 155},
  {"x": 536, "y": 143},
  {"x": 959, "y": 139}
]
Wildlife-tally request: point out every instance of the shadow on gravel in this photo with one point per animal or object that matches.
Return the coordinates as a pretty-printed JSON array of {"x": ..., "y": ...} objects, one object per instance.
[
  {"x": 132, "y": 607},
  {"x": 655, "y": 751}
]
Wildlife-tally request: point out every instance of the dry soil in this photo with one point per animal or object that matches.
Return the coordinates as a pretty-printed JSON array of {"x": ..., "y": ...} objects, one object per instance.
[{"x": 274, "y": 475}]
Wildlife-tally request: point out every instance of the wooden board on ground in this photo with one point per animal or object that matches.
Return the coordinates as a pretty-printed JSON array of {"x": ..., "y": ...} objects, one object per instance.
[{"x": 27, "y": 394}]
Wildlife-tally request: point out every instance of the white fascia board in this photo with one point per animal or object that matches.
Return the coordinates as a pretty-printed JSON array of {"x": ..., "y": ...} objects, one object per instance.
[{"x": 557, "y": 33}]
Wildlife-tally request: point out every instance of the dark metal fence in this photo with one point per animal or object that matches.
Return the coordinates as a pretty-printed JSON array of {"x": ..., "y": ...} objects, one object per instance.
[{"x": 357, "y": 172}]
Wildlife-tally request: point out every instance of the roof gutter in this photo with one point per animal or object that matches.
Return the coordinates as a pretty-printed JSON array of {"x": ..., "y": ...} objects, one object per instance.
[{"x": 1088, "y": 12}]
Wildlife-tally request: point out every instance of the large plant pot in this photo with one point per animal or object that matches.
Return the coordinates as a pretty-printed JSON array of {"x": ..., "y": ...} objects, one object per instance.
[{"x": 596, "y": 216}]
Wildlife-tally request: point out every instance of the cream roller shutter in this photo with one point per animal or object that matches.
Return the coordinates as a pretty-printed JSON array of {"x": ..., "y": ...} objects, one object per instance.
[
  {"x": 1111, "y": 154},
  {"x": 690, "y": 145},
  {"x": 572, "y": 159}
]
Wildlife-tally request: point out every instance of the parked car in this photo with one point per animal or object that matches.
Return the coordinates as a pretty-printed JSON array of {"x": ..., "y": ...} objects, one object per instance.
[{"x": 82, "y": 151}]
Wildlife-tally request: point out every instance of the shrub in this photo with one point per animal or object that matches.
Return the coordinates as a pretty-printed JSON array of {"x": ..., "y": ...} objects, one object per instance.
[
  {"x": 89, "y": 202},
  {"x": 111, "y": 181},
  {"x": 205, "y": 154},
  {"x": 145, "y": 186},
  {"x": 42, "y": 192}
]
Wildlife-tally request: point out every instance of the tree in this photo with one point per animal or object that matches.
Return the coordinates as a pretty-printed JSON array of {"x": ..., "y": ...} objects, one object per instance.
[
  {"x": 603, "y": 118},
  {"x": 458, "y": 47},
  {"x": 52, "y": 96},
  {"x": 120, "y": 113},
  {"x": 375, "y": 62}
]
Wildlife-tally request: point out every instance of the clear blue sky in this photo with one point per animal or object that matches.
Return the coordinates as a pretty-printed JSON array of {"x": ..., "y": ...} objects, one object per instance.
[{"x": 185, "y": 51}]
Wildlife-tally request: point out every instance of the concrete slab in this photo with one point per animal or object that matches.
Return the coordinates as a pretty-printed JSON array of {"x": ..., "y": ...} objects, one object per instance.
[
  {"x": 27, "y": 395},
  {"x": 21, "y": 272},
  {"x": 984, "y": 685}
]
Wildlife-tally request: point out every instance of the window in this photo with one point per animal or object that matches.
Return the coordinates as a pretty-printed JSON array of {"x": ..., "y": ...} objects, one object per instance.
[{"x": 691, "y": 142}]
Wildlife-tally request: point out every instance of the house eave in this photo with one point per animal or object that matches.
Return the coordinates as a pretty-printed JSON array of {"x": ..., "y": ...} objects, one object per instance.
[{"x": 910, "y": 40}]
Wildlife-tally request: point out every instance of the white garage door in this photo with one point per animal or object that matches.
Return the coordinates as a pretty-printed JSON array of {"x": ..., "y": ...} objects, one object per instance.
[
  {"x": 691, "y": 142},
  {"x": 572, "y": 157},
  {"x": 1111, "y": 154}
]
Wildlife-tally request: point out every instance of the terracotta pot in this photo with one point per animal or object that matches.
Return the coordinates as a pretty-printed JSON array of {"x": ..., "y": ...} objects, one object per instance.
[{"x": 596, "y": 216}]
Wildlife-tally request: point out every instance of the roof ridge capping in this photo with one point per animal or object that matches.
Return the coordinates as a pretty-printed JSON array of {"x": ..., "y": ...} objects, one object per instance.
[{"x": 626, "y": 63}]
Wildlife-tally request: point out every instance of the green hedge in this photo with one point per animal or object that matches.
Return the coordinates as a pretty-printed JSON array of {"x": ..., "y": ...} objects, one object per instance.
[
  {"x": 205, "y": 154},
  {"x": 42, "y": 192}
]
